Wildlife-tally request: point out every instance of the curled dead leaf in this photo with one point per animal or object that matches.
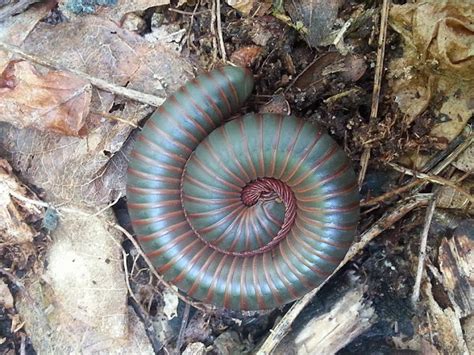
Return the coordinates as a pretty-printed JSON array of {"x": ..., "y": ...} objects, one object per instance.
[
  {"x": 55, "y": 101},
  {"x": 246, "y": 56}
]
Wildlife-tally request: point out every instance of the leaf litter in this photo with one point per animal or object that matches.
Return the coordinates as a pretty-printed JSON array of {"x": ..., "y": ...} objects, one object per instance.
[{"x": 311, "y": 58}]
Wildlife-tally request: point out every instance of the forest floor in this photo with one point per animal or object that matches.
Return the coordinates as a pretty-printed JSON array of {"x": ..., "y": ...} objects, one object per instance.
[{"x": 390, "y": 81}]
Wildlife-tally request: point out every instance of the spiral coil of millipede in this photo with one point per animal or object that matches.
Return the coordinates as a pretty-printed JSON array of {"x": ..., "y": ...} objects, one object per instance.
[{"x": 250, "y": 214}]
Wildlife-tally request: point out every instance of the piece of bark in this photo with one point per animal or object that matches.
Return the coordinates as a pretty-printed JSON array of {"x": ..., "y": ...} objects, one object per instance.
[
  {"x": 444, "y": 328},
  {"x": 326, "y": 333},
  {"x": 332, "y": 331},
  {"x": 456, "y": 263}
]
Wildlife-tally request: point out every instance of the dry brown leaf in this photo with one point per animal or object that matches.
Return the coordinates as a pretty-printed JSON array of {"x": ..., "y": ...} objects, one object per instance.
[
  {"x": 15, "y": 29},
  {"x": 246, "y": 56},
  {"x": 16, "y": 235},
  {"x": 56, "y": 101},
  {"x": 451, "y": 198},
  {"x": 317, "y": 16},
  {"x": 437, "y": 67},
  {"x": 79, "y": 170}
]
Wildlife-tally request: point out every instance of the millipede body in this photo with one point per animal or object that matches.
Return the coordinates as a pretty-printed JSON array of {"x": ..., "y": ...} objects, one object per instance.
[{"x": 248, "y": 214}]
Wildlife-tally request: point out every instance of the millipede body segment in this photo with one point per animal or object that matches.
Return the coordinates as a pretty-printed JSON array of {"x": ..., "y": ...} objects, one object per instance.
[{"x": 248, "y": 214}]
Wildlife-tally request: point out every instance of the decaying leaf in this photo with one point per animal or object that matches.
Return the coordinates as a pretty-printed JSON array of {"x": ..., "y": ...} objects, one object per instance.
[
  {"x": 350, "y": 68},
  {"x": 317, "y": 17},
  {"x": 80, "y": 302},
  {"x": 13, "y": 227},
  {"x": 246, "y": 56},
  {"x": 16, "y": 235},
  {"x": 437, "y": 66},
  {"x": 56, "y": 101},
  {"x": 15, "y": 29},
  {"x": 79, "y": 170},
  {"x": 449, "y": 197}
]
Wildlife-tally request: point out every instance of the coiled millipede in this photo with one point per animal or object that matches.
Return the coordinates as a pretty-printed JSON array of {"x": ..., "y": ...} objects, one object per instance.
[{"x": 250, "y": 214}]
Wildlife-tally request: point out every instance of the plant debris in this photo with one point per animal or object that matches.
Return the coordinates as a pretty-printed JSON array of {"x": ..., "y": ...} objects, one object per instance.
[{"x": 79, "y": 79}]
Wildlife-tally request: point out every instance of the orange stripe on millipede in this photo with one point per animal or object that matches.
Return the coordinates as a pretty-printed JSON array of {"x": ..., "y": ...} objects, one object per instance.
[
  {"x": 215, "y": 279},
  {"x": 201, "y": 273},
  {"x": 166, "y": 267},
  {"x": 290, "y": 150},
  {"x": 303, "y": 158},
  {"x": 268, "y": 277},
  {"x": 156, "y": 148},
  {"x": 209, "y": 100},
  {"x": 189, "y": 266},
  {"x": 322, "y": 256},
  {"x": 231, "y": 87},
  {"x": 327, "y": 179},
  {"x": 323, "y": 274},
  {"x": 152, "y": 125},
  {"x": 328, "y": 155},
  {"x": 154, "y": 162},
  {"x": 316, "y": 237},
  {"x": 245, "y": 144},
  {"x": 210, "y": 188},
  {"x": 217, "y": 158},
  {"x": 185, "y": 114},
  {"x": 152, "y": 177},
  {"x": 256, "y": 286},
  {"x": 276, "y": 144},
  {"x": 157, "y": 252},
  {"x": 243, "y": 285},
  {"x": 228, "y": 283},
  {"x": 229, "y": 148},
  {"x": 327, "y": 225},
  {"x": 343, "y": 191},
  {"x": 198, "y": 107}
]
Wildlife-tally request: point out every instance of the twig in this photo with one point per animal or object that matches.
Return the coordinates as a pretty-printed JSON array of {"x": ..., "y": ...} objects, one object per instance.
[
  {"x": 433, "y": 178},
  {"x": 191, "y": 22},
  {"x": 114, "y": 117},
  {"x": 364, "y": 162},
  {"x": 390, "y": 194},
  {"x": 377, "y": 83},
  {"x": 60, "y": 209},
  {"x": 185, "y": 299},
  {"x": 194, "y": 13},
  {"x": 213, "y": 31},
  {"x": 127, "y": 277},
  {"x": 219, "y": 31},
  {"x": 379, "y": 64},
  {"x": 151, "y": 100},
  {"x": 386, "y": 221},
  {"x": 422, "y": 253},
  {"x": 184, "y": 323}
]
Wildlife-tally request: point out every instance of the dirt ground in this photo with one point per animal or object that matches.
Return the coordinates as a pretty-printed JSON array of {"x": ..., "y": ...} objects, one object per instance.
[{"x": 79, "y": 80}]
